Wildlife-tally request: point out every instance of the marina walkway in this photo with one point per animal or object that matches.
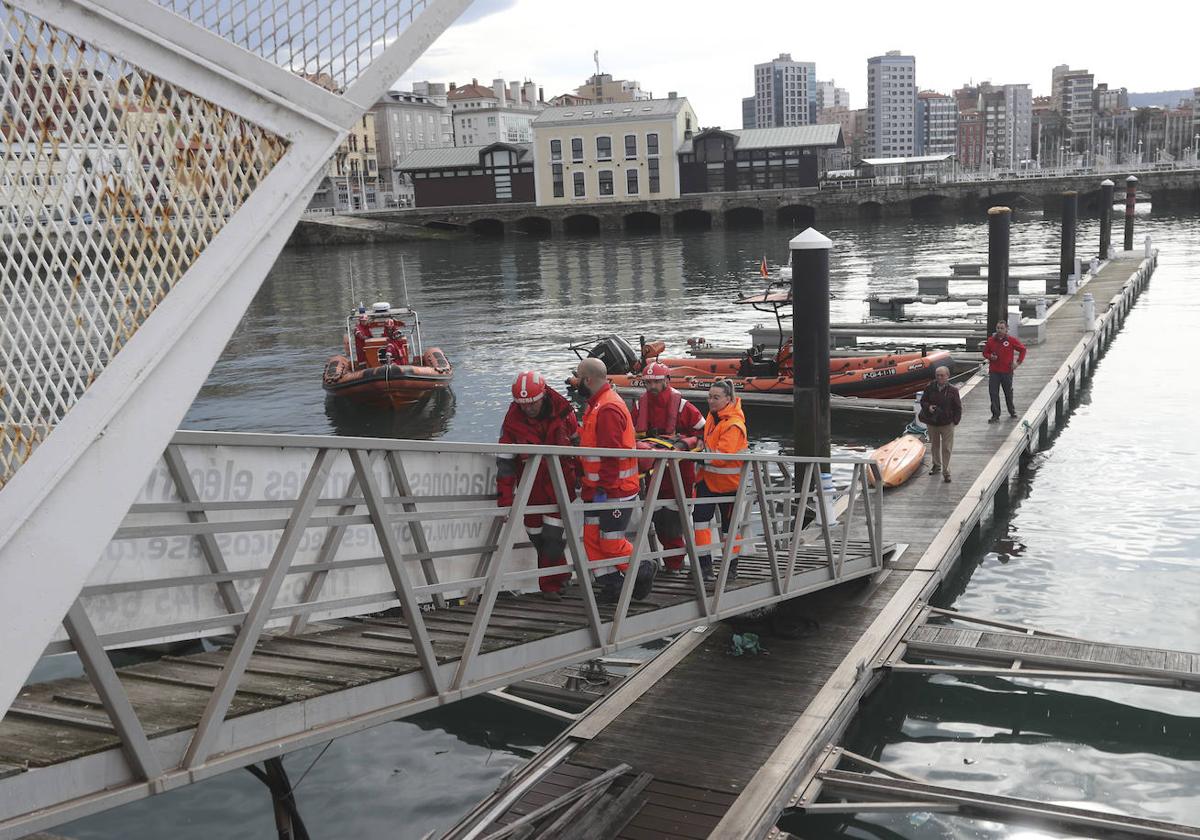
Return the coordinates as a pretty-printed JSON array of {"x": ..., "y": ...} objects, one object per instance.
[{"x": 739, "y": 734}]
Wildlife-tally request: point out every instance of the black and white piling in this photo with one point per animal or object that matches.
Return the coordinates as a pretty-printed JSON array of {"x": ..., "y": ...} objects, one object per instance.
[
  {"x": 1106, "y": 207},
  {"x": 810, "y": 343},
  {"x": 999, "y": 227},
  {"x": 1070, "y": 217},
  {"x": 1130, "y": 206}
]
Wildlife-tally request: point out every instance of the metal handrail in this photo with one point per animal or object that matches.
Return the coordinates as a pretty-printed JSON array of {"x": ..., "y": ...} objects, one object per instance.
[{"x": 361, "y": 486}]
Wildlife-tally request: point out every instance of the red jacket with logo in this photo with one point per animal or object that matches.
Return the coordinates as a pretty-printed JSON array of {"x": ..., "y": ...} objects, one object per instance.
[
  {"x": 556, "y": 425},
  {"x": 999, "y": 351}
]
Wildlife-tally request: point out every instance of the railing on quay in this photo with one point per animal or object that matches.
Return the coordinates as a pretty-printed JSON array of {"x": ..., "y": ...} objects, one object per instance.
[{"x": 245, "y": 533}]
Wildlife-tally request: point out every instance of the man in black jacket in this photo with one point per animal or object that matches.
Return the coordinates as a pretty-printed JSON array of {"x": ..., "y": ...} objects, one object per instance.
[{"x": 941, "y": 409}]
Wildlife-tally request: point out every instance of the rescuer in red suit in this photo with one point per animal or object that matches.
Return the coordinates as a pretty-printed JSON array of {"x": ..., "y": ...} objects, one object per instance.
[
  {"x": 663, "y": 415},
  {"x": 542, "y": 416}
]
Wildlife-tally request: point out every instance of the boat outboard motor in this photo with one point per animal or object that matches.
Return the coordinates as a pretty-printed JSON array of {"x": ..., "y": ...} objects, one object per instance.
[{"x": 616, "y": 353}]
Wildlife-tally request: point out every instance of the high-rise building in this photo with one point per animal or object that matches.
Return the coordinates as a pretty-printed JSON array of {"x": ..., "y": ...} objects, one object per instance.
[
  {"x": 748, "y": 119},
  {"x": 1073, "y": 97},
  {"x": 892, "y": 105},
  {"x": 829, "y": 95},
  {"x": 785, "y": 92},
  {"x": 937, "y": 124},
  {"x": 1005, "y": 135},
  {"x": 1110, "y": 101}
]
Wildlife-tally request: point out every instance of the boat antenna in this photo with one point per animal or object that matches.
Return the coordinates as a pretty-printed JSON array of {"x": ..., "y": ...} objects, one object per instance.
[{"x": 404, "y": 281}]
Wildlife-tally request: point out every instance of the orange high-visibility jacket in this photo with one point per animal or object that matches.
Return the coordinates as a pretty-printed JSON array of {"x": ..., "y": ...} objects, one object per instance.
[
  {"x": 607, "y": 424},
  {"x": 725, "y": 432}
]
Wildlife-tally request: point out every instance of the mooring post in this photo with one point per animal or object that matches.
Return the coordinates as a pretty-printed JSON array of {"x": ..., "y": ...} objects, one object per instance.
[
  {"x": 1130, "y": 206},
  {"x": 810, "y": 343},
  {"x": 1070, "y": 215},
  {"x": 999, "y": 227},
  {"x": 1106, "y": 205}
]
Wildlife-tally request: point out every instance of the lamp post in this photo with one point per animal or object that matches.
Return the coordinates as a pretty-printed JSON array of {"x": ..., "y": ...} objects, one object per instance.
[
  {"x": 1195, "y": 146},
  {"x": 1139, "y": 159}
]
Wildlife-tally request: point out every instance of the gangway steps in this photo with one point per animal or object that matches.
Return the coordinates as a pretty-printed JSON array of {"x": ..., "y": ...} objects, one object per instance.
[{"x": 57, "y": 721}]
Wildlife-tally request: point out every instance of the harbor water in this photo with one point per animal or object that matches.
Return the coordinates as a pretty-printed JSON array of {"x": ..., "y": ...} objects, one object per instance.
[{"x": 1103, "y": 543}]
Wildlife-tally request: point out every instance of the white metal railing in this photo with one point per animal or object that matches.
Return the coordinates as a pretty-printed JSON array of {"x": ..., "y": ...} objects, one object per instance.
[
  {"x": 997, "y": 176},
  {"x": 241, "y": 534}
]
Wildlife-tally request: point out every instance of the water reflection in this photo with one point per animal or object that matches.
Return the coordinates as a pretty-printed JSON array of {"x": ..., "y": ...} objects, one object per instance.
[{"x": 428, "y": 419}]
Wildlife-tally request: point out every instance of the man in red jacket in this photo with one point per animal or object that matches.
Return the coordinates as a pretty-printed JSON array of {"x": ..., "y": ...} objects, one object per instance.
[
  {"x": 539, "y": 415},
  {"x": 999, "y": 350},
  {"x": 663, "y": 414}
]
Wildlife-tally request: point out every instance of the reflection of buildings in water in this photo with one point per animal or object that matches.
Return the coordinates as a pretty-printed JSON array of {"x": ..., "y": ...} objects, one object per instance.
[
  {"x": 611, "y": 270},
  {"x": 426, "y": 420}
]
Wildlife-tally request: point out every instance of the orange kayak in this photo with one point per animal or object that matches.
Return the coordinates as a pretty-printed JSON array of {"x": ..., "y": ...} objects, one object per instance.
[{"x": 899, "y": 459}]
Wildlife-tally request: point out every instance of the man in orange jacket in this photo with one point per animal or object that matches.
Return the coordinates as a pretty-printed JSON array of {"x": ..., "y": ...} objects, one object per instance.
[
  {"x": 607, "y": 424},
  {"x": 724, "y": 434}
]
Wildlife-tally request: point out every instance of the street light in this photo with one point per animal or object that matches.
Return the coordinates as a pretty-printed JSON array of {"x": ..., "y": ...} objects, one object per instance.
[{"x": 1139, "y": 160}]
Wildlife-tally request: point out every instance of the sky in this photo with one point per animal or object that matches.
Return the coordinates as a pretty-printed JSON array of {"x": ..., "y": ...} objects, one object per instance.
[{"x": 707, "y": 52}]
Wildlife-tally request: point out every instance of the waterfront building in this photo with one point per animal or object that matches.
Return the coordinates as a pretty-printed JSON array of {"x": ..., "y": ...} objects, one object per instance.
[
  {"x": 404, "y": 122},
  {"x": 970, "y": 140},
  {"x": 715, "y": 160},
  {"x": 852, "y": 123},
  {"x": 931, "y": 168},
  {"x": 748, "y": 118},
  {"x": 619, "y": 152},
  {"x": 458, "y": 175},
  {"x": 602, "y": 88},
  {"x": 503, "y": 112},
  {"x": 785, "y": 92},
  {"x": 351, "y": 179},
  {"x": 937, "y": 123},
  {"x": 892, "y": 105}
]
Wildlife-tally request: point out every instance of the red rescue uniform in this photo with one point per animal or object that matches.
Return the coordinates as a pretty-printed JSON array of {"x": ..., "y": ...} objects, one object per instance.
[
  {"x": 607, "y": 424},
  {"x": 555, "y": 425},
  {"x": 668, "y": 415}
]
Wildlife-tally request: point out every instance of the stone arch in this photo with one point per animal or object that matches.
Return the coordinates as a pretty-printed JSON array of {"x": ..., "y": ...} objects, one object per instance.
[
  {"x": 643, "y": 222},
  {"x": 581, "y": 223},
  {"x": 534, "y": 226},
  {"x": 870, "y": 211},
  {"x": 743, "y": 217},
  {"x": 798, "y": 216},
  {"x": 931, "y": 204},
  {"x": 693, "y": 220},
  {"x": 486, "y": 227}
]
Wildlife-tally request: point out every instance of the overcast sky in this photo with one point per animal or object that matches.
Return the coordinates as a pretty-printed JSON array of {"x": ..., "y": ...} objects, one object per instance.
[{"x": 707, "y": 50}]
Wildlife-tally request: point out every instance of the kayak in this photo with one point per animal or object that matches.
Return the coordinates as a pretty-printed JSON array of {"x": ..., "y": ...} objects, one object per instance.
[{"x": 899, "y": 459}]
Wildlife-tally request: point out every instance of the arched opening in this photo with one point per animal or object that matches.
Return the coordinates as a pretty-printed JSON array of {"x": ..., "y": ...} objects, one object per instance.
[
  {"x": 442, "y": 224},
  {"x": 930, "y": 205},
  {"x": 693, "y": 220},
  {"x": 581, "y": 224},
  {"x": 486, "y": 227},
  {"x": 744, "y": 217},
  {"x": 1005, "y": 199},
  {"x": 797, "y": 216},
  {"x": 534, "y": 226},
  {"x": 643, "y": 222},
  {"x": 871, "y": 211}
]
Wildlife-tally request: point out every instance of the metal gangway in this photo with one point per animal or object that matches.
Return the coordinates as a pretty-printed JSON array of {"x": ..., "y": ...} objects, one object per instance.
[{"x": 339, "y": 583}]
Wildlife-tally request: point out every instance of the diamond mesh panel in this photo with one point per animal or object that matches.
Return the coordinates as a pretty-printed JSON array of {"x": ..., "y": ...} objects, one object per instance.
[
  {"x": 329, "y": 42},
  {"x": 111, "y": 183}
]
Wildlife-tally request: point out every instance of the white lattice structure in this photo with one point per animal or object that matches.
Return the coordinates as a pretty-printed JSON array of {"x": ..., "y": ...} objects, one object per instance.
[{"x": 156, "y": 158}]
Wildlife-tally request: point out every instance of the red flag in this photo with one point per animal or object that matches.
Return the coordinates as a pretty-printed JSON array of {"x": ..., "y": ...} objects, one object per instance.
[{"x": 762, "y": 268}]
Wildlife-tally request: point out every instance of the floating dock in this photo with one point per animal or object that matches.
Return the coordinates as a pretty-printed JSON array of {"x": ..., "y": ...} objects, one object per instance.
[{"x": 730, "y": 743}]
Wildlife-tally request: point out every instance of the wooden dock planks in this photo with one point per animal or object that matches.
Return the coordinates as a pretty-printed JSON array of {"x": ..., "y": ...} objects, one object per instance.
[{"x": 720, "y": 723}]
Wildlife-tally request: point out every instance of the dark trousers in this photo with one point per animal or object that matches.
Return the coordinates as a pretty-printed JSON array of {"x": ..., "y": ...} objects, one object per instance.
[
  {"x": 702, "y": 513},
  {"x": 996, "y": 381}
]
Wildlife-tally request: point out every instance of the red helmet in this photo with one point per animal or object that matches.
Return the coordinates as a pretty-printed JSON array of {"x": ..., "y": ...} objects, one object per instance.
[
  {"x": 529, "y": 387},
  {"x": 656, "y": 370}
]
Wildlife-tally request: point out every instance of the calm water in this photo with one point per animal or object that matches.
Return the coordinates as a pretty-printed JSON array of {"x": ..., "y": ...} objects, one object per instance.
[{"x": 1107, "y": 543}]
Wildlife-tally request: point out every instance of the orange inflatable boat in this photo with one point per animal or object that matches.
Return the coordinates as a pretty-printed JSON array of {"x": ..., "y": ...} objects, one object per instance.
[
  {"x": 886, "y": 376},
  {"x": 898, "y": 460},
  {"x": 383, "y": 362}
]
